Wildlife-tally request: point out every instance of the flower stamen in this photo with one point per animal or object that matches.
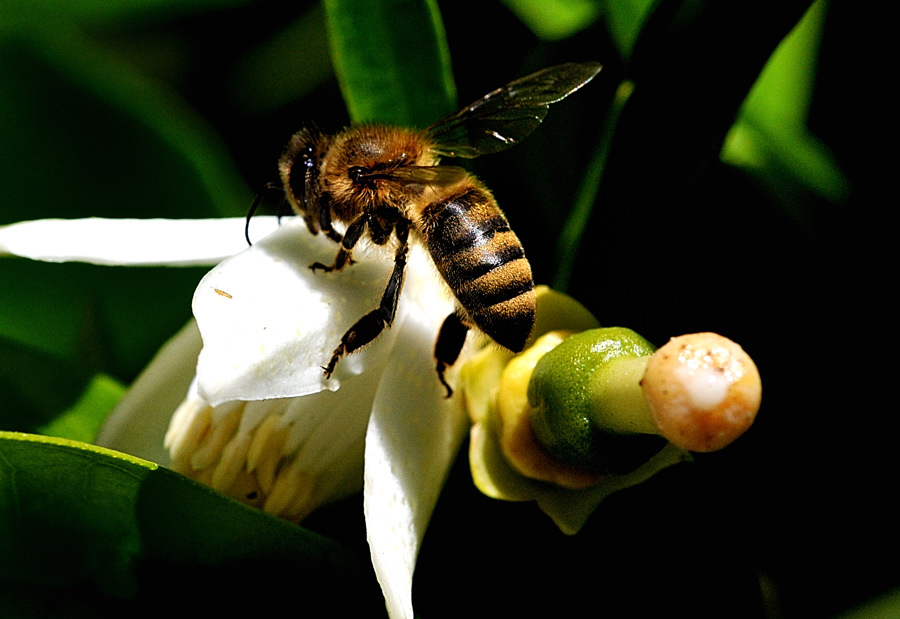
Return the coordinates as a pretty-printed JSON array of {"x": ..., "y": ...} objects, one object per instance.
[
  {"x": 292, "y": 484},
  {"x": 209, "y": 451},
  {"x": 231, "y": 462},
  {"x": 190, "y": 422}
]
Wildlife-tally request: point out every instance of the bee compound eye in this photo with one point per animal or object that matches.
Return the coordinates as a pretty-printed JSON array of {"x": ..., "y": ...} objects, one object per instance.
[{"x": 355, "y": 172}]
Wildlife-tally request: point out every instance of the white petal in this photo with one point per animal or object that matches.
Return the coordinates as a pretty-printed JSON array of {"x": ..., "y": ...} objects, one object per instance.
[
  {"x": 270, "y": 323},
  {"x": 147, "y": 242},
  {"x": 413, "y": 437},
  {"x": 139, "y": 422}
]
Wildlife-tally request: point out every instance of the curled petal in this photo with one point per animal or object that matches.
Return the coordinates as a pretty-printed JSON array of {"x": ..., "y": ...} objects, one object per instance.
[
  {"x": 492, "y": 473},
  {"x": 412, "y": 439},
  {"x": 270, "y": 323}
]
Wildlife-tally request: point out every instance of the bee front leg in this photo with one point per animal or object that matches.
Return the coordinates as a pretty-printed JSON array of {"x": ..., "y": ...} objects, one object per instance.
[
  {"x": 348, "y": 242},
  {"x": 323, "y": 213},
  {"x": 372, "y": 324},
  {"x": 450, "y": 341}
]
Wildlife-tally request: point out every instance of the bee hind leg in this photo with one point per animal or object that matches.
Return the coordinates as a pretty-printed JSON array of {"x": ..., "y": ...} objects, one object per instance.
[
  {"x": 449, "y": 344},
  {"x": 370, "y": 326}
]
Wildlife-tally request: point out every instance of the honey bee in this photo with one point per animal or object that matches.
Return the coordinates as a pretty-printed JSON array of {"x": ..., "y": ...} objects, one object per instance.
[{"x": 385, "y": 182}]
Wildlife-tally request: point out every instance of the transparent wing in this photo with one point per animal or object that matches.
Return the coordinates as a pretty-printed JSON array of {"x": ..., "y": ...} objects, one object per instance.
[
  {"x": 420, "y": 175},
  {"x": 507, "y": 115}
]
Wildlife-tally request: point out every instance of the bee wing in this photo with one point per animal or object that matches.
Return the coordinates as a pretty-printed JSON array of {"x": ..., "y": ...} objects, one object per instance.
[
  {"x": 441, "y": 175},
  {"x": 507, "y": 115}
]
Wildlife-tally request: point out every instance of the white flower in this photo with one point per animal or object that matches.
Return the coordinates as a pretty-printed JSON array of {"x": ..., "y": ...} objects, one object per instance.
[{"x": 260, "y": 421}]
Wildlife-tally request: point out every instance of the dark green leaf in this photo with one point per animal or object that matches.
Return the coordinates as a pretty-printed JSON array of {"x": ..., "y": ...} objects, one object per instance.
[
  {"x": 84, "y": 523},
  {"x": 692, "y": 66},
  {"x": 96, "y": 318},
  {"x": 101, "y": 11},
  {"x": 281, "y": 69},
  {"x": 391, "y": 59},
  {"x": 40, "y": 392},
  {"x": 85, "y": 135}
]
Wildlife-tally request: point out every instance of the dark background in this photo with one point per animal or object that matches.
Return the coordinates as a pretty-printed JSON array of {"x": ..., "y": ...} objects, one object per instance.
[{"x": 795, "y": 518}]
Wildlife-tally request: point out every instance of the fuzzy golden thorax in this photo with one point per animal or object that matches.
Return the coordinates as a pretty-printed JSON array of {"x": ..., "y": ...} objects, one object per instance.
[{"x": 372, "y": 149}]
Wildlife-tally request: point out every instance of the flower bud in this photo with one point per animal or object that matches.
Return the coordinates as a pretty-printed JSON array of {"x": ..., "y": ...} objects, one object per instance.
[
  {"x": 587, "y": 408},
  {"x": 703, "y": 391},
  {"x": 585, "y": 411}
]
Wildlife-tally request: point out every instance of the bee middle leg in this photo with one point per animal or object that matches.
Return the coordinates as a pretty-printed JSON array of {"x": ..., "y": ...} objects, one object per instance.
[
  {"x": 348, "y": 242},
  {"x": 372, "y": 324},
  {"x": 450, "y": 341}
]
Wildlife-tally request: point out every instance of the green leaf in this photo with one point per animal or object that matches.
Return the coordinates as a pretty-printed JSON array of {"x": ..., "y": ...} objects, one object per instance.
[
  {"x": 86, "y": 523},
  {"x": 35, "y": 386},
  {"x": 85, "y": 134},
  {"x": 392, "y": 60},
  {"x": 95, "y": 318},
  {"x": 281, "y": 70},
  {"x": 624, "y": 20},
  {"x": 102, "y": 11},
  {"x": 556, "y": 19},
  {"x": 571, "y": 235},
  {"x": 770, "y": 138},
  {"x": 84, "y": 418},
  {"x": 884, "y": 606},
  {"x": 692, "y": 66},
  {"x": 41, "y": 393}
]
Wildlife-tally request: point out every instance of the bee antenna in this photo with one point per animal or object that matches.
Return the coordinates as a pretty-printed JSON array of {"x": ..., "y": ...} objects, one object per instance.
[
  {"x": 250, "y": 213},
  {"x": 255, "y": 205}
]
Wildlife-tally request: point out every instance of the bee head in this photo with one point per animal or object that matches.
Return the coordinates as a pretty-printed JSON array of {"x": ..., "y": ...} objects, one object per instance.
[{"x": 299, "y": 167}]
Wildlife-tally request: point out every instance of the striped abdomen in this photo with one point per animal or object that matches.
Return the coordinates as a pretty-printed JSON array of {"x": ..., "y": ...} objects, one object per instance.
[{"x": 483, "y": 263}]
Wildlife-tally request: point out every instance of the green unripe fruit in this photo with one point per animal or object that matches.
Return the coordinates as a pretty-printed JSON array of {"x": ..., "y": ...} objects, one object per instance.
[{"x": 587, "y": 407}]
